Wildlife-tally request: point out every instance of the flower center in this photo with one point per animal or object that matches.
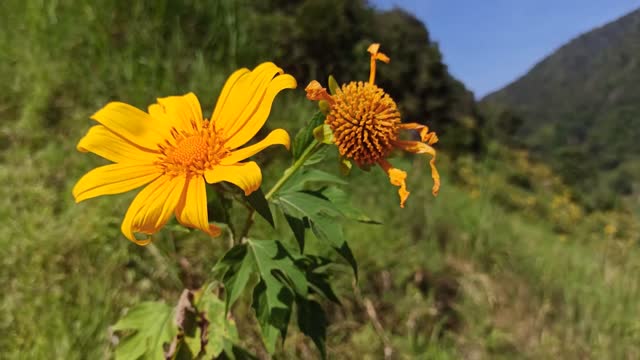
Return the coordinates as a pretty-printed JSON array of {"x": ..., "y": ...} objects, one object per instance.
[
  {"x": 364, "y": 120},
  {"x": 194, "y": 153}
]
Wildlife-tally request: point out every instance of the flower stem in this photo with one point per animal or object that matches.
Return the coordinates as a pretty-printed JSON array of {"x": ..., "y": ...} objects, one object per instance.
[{"x": 310, "y": 150}]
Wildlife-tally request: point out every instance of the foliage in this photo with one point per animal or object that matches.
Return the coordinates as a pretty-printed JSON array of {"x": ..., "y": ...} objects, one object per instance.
[
  {"x": 315, "y": 39},
  {"x": 578, "y": 110}
]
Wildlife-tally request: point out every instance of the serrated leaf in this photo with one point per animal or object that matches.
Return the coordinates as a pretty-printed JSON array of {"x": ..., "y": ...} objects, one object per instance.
[
  {"x": 322, "y": 215},
  {"x": 153, "y": 325},
  {"x": 234, "y": 269},
  {"x": 193, "y": 342},
  {"x": 279, "y": 279},
  {"x": 271, "y": 259},
  {"x": 219, "y": 328},
  {"x": 326, "y": 228},
  {"x": 299, "y": 180},
  {"x": 298, "y": 229},
  {"x": 257, "y": 200},
  {"x": 304, "y": 137},
  {"x": 315, "y": 267},
  {"x": 272, "y": 305},
  {"x": 341, "y": 200},
  {"x": 312, "y": 321}
]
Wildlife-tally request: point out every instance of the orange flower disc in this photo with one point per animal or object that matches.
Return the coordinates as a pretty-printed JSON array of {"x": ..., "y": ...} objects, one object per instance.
[{"x": 364, "y": 120}]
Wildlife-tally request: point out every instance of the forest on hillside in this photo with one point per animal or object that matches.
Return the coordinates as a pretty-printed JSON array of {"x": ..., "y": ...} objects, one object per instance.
[{"x": 579, "y": 111}]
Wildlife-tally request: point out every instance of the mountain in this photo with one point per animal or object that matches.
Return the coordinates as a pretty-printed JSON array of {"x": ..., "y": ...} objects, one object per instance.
[{"x": 579, "y": 109}]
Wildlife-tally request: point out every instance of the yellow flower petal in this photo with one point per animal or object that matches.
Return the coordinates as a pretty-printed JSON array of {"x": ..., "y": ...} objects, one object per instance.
[
  {"x": 417, "y": 147},
  {"x": 425, "y": 136},
  {"x": 248, "y": 87},
  {"x": 192, "y": 207},
  {"x": 133, "y": 124},
  {"x": 152, "y": 207},
  {"x": 397, "y": 177},
  {"x": 224, "y": 94},
  {"x": 256, "y": 113},
  {"x": 113, "y": 179},
  {"x": 246, "y": 176},
  {"x": 276, "y": 137},
  {"x": 244, "y": 102},
  {"x": 184, "y": 111},
  {"x": 105, "y": 143}
]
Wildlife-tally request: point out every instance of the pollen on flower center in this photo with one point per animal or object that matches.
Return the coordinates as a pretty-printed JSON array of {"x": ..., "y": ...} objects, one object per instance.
[
  {"x": 194, "y": 153},
  {"x": 364, "y": 120}
]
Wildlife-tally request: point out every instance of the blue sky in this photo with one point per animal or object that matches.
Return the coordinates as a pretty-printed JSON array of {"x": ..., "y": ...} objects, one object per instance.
[{"x": 488, "y": 44}]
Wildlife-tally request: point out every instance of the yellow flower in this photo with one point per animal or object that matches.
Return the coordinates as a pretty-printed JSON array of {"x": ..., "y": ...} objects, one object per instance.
[
  {"x": 175, "y": 150},
  {"x": 366, "y": 124}
]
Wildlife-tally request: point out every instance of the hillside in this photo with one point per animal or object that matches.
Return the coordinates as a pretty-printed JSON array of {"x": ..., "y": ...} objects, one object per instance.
[{"x": 579, "y": 108}]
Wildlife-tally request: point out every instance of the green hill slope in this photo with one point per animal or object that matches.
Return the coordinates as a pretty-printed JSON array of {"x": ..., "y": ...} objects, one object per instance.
[{"x": 580, "y": 109}]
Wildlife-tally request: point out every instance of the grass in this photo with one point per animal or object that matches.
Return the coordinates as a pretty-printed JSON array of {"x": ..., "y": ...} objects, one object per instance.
[{"x": 463, "y": 275}]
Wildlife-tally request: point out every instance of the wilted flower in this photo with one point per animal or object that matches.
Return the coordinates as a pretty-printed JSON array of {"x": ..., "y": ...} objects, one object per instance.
[
  {"x": 366, "y": 123},
  {"x": 175, "y": 150}
]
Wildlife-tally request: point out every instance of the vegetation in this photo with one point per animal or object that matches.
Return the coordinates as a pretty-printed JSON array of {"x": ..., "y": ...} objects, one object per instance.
[
  {"x": 505, "y": 263},
  {"x": 579, "y": 110}
]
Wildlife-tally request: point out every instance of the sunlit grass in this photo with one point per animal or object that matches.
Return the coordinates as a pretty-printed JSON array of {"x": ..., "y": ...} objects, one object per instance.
[{"x": 449, "y": 277}]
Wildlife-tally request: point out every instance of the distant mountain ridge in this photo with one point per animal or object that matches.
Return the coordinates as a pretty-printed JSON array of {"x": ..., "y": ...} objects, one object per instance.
[{"x": 579, "y": 108}]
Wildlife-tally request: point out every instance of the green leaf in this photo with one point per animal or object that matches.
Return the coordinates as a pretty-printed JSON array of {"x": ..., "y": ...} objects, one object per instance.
[
  {"x": 186, "y": 318},
  {"x": 341, "y": 200},
  {"x": 317, "y": 157},
  {"x": 257, "y": 201},
  {"x": 323, "y": 134},
  {"x": 272, "y": 300},
  {"x": 193, "y": 341},
  {"x": 273, "y": 312},
  {"x": 304, "y": 137},
  {"x": 218, "y": 207},
  {"x": 315, "y": 269},
  {"x": 235, "y": 352},
  {"x": 280, "y": 278},
  {"x": 312, "y": 321},
  {"x": 327, "y": 229},
  {"x": 333, "y": 85},
  {"x": 345, "y": 166},
  {"x": 219, "y": 328},
  {"x": 322, "y": 215},
  {"x": 298, "y": 228},
  {"x": 235, "y": 269},
  {"x": 272, "y": 261},
  {"x": 299, "y": 180},
  {"x": 153, "y": 326}
]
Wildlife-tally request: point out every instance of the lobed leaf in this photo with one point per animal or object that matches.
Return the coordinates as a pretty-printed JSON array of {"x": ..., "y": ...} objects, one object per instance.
[
  {"x": 298, "y": 181},
  {"x": 321, "y": 215},
  {"x": 257, "y": 200},
  {"x": 312, "y": 321},
  {"x": 153, "y": 326}
]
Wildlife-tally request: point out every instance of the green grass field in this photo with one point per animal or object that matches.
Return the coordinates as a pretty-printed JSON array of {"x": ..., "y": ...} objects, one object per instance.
[{"x": 465, "y": 275}]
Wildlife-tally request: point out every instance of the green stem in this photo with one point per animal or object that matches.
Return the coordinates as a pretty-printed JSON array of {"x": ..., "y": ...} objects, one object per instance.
[{"x": 310, "y": 150}]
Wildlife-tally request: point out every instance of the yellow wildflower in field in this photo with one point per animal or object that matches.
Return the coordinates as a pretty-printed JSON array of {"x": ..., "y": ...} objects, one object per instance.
[
  {"x": 175, "y": 150},
  {"x": 366, "y": 124}
]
